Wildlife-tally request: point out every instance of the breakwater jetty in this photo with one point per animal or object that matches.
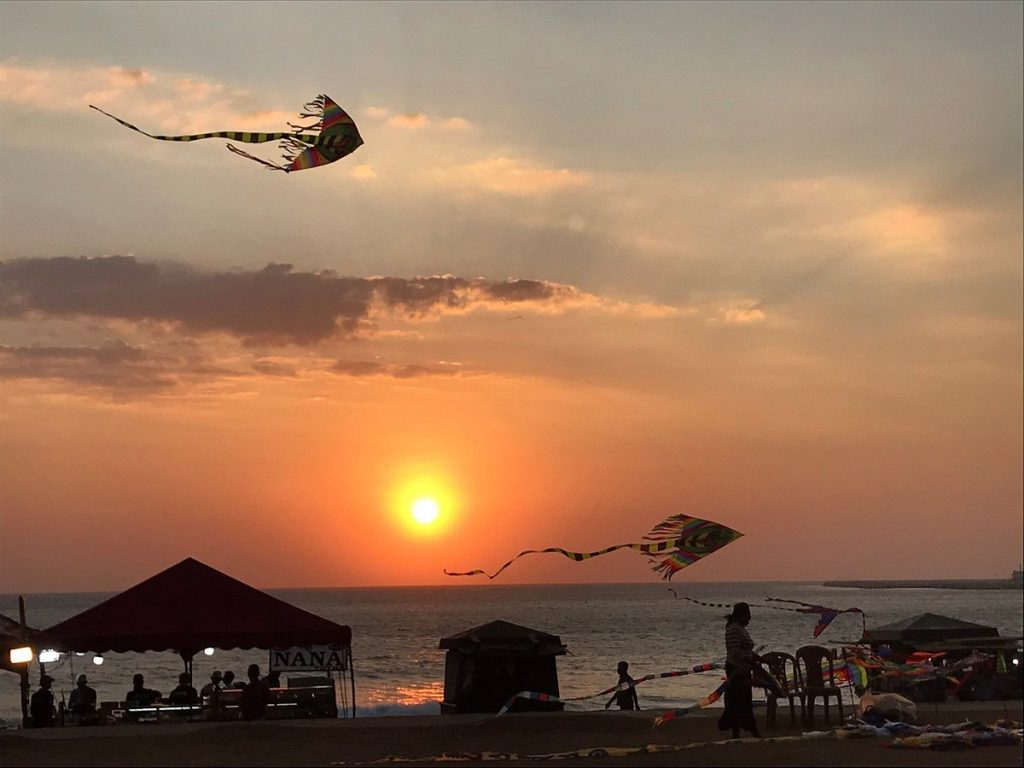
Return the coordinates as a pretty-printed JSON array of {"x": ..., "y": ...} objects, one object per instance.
[{"x": 926, "y": 584}]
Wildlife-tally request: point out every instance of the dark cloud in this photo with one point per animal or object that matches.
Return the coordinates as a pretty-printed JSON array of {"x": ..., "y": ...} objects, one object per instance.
[
  {"x": 371, "y": 368},
  {"x": 415, "y": 371},
  {"x": 272, "y": 304},
  {"x": 269, "y": 368},
  {"x": 116, "y": 367},
  {"x": 358, "y": 368}
]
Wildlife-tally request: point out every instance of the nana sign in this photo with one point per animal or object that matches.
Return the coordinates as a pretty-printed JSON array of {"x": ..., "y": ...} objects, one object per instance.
[{"x": 310, "y": 658}]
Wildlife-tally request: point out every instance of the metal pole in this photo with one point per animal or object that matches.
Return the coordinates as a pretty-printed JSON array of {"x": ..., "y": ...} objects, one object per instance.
[
  {"x": 352, "y": 675},
  {"x": 24, "y": 672}
]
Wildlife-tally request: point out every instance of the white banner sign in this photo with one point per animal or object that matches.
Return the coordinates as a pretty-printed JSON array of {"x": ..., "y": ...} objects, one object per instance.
[{"x": 312, "y": 658}]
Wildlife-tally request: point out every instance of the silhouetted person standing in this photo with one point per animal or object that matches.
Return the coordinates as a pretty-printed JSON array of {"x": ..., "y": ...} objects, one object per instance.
[
  {"x": 626, "y": 699},
  {"x": 740, "y": 661},
  {"x": 255, "y": 696}
]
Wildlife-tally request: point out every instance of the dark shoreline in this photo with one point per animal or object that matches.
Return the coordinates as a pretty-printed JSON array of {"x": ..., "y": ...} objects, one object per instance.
[{"x": 926, "y": 584}]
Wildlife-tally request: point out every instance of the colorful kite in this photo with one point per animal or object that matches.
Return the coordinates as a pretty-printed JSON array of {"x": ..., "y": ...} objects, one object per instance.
[
  {"x": 337, "y": 137},
  {"x": 825, "y": 614},
  {"x": 679, "y": 541}
]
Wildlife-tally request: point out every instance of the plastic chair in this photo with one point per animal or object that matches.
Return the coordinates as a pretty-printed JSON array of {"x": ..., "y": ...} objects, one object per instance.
[
  {"x": 812, "y": 661},
  {"x": 786, "y": 671}
]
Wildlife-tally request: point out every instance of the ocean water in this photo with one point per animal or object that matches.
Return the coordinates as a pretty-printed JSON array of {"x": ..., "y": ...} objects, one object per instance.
[{"x": 399, "y": 668}]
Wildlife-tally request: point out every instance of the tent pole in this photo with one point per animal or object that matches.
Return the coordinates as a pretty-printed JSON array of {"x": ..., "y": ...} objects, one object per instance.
[
  {"x": 23, "y": 674},
  {"x": 352, "y": 677},
  {"x": 187, "y": 658}
]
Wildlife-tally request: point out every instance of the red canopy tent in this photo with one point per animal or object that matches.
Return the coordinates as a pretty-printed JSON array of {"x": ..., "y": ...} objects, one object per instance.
[{"x": 186, "y": 608}]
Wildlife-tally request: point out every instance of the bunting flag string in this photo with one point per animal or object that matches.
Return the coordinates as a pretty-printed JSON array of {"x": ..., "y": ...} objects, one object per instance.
[
  {"x": 537, "y": 696},
  {"x": 925, "y": 670},
  {"x": 676, "y": 542}
]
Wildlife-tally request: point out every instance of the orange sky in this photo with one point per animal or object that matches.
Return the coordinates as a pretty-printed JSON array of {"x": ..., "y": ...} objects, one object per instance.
[{"x": 777, "y": 285}]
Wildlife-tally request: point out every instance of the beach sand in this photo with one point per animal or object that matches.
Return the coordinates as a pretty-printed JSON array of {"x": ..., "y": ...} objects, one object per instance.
[{"x": 325, "y": 742}]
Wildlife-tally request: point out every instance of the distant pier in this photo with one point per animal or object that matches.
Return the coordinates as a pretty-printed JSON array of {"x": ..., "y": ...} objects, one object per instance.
[{"x": 927, "y": 584}]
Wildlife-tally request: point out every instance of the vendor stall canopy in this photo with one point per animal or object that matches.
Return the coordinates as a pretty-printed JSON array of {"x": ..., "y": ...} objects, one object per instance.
[
  {"x": 504, "y": 637},
  {"x": 929, "y": 626},
  {"x": 188, "y": 607}
]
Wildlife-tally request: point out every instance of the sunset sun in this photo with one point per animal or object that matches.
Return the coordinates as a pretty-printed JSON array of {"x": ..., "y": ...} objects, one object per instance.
[{"x": 425, "y": 511}]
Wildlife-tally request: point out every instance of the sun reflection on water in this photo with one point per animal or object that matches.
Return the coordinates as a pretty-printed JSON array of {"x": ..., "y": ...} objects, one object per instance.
[{"x": 408, "y": 694}]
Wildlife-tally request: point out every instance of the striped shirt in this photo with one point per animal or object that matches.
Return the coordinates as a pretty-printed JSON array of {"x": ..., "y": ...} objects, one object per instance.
[{"x": 739, "y": 648}]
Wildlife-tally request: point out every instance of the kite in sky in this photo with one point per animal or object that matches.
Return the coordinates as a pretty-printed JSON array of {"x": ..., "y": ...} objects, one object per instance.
[
  {"x": 336, "y": 137},
  {"x": 677, "y": 542},
  {"x": 825, "y": 614}
]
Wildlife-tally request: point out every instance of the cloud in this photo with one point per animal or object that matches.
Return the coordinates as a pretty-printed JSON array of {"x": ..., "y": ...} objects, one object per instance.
[
  {"x": 512, "y": 176},
  {"x": 743, "y": 315},
  {"x": 156, "y": 101},
  {"x": 366, "y": 368},
  {"x": 275, "y": 304},
  {"x": 363, "y": 172},
  {"x": 414, "y": 121},
  {"x": 57, "y": 88},
  {"x": 116, "y": 367},
  {"x": 358, "y": 368},
  {"x": 274, "y": 368}
]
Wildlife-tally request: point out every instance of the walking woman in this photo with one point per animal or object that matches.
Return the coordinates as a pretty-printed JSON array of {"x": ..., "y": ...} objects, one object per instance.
[{"x": 740, "y": 660}]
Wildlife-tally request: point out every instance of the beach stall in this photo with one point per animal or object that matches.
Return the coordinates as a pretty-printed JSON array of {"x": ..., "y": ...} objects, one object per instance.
[
  {"x": 990, "y": 663},
  {"x": 191, "y": 608},
  {"x": 487, "y": 665},
  {"x": 924, "y": 628}
]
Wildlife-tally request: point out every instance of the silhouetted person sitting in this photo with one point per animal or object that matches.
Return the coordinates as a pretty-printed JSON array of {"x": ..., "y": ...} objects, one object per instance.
[
  {"x": 140, "y": 695},
  {"x": 626, "y": 699},
  {"x": 184, "y": 695},
  {"x": 213, "y": 687},
  {"x": 41, "y": 706},
  {"x": 210, "y": 696},
  {"x": 255, "y": 696},
  {"x": 82, "y": 704},
  {"x": 228, "y": 681}
]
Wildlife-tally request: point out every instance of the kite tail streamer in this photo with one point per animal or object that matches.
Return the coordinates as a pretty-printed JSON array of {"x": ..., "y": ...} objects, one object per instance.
[
  {"x": 312, "y": 110},
  {"x": 707, "y": 701},
  {"x": 701, "y": 602},
  {"x": 122, "y": 122},
  {"x": 577, "y": 556},
  {"x": 248, "y": 137},
  {"x": 270, "y": 166}
]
